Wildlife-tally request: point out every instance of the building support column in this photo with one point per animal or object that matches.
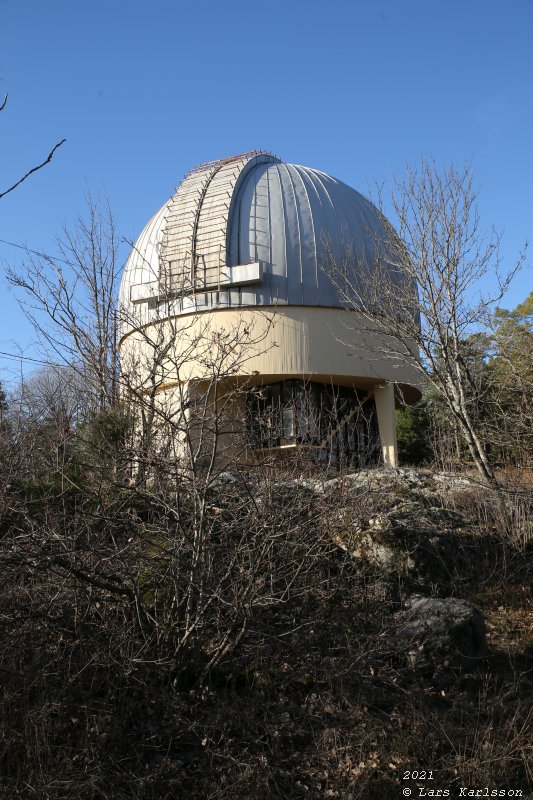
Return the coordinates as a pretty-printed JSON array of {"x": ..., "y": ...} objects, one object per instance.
[{"x": 384, "y": 399}]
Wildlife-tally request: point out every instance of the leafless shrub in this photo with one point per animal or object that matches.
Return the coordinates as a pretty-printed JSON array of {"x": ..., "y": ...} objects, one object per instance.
[{"x": 419, "y": 296}]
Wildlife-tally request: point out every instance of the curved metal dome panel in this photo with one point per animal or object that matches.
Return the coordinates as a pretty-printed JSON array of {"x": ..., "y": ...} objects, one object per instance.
[
  {"x": 249, "y": 230},
  {"x": 142, "y": 266},
  {"x": 296, "y": 221}
]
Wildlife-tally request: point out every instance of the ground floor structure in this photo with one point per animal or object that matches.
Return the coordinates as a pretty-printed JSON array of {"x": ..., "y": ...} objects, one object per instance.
[{"x": 274, "y": 380}]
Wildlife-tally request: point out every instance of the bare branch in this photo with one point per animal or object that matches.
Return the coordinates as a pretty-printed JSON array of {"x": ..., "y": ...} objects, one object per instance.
[
  {"x": 35, "y": 169},
  {"x": 421, "y": 299}
]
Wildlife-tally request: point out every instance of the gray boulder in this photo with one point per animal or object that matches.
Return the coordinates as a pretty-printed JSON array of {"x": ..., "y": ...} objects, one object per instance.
[
  {"x": 435, "y": 632},
  {"x": 408, "y": 539}
]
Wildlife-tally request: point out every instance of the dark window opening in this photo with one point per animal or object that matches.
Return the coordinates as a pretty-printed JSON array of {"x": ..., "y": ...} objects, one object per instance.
[{"x": 335, "y": 420}]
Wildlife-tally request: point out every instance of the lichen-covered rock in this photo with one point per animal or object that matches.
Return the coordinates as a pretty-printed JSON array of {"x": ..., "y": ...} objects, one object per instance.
[
  {"x": 419, "y": 483},
  {"x": 409, "y": 539},
  {"x": 382, "y": 480},
  {"x": 435, "y": 631},
  {"x": 451, "y": 482}
]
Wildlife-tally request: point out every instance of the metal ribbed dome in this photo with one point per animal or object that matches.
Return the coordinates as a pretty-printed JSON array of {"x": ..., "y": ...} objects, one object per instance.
[{"x": 249, "y": 231}]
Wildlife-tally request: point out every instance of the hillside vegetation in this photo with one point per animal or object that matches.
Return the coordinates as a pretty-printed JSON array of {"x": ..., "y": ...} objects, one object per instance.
[{"x": 340, "y": 632}]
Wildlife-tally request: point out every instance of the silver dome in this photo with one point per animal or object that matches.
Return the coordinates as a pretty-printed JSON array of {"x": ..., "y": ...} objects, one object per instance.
[{"x": 249, "y": 231}]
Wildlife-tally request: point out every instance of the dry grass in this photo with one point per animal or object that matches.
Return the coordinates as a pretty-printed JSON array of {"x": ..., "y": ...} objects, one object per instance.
[{"x": 313, "y": 704}]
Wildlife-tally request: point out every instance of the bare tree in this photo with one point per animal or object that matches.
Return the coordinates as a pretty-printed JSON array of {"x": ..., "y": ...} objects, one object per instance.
[
  {"x": 42, "y": 415},
  {"x": 424, "y": 293},
  {"x": 71, "y": 300},
  {"x": 157, "y": 527},
  {"x": 508, "y": 366}
]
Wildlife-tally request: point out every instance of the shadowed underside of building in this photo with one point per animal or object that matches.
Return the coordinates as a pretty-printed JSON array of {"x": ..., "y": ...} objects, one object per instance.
[{"x": 231, "y": 299}]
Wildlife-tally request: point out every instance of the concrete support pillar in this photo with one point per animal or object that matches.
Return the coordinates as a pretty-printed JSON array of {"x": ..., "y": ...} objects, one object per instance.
[{"x": 384, "y": 398}]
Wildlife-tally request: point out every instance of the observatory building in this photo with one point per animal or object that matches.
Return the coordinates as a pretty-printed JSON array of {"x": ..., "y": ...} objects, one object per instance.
[{"x": 231, "y": 284}]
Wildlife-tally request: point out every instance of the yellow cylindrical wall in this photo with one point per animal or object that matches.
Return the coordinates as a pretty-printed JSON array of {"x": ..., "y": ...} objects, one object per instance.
[{"x": 270, "y": 343}]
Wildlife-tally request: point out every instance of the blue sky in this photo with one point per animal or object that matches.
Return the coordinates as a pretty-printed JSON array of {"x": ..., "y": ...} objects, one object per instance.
[{"x": 143, "y": 91}]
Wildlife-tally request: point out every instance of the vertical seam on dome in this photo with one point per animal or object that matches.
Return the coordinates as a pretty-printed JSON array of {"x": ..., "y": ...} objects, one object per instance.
[
  {"x": 332, "y": 204},
  {"x": 369, "y": 252},
  {"x": 349, "y": 217},
  {"x": 284, "y": 217},
  {"x": 323, "y": 227},
  {"x": 316, "y": 179},
  {"x": 360, "y": 239},
  {"x": 297, "y": 169},
  {"x": 253, "y": 255},
  {"x": 270, "y": 255},
  {"x": 340, "y": 204},
  {"x": 376, "y": 222},
  {"x": 299, "y": 232},
  {"x": 239, "y": 221}
]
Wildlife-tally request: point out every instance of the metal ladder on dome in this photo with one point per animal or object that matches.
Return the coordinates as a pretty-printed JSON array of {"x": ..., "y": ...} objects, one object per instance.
[{"x": 194, "y": 246}]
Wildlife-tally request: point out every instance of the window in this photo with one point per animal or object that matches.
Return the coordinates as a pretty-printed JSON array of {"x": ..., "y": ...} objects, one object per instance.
[{"x": 333, "y": 419}]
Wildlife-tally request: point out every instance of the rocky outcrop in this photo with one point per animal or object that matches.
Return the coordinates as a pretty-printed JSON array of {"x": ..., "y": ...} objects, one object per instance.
[
  {"x": 437, "y": 631},
  {"x": 397, "y": 520},
  {"x": 422, "y": 482}
]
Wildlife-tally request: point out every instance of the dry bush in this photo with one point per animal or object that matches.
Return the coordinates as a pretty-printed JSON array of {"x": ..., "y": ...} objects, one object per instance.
[
  {"x": 281, "y": 681},
  {"x": 506, "y": 512}
]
